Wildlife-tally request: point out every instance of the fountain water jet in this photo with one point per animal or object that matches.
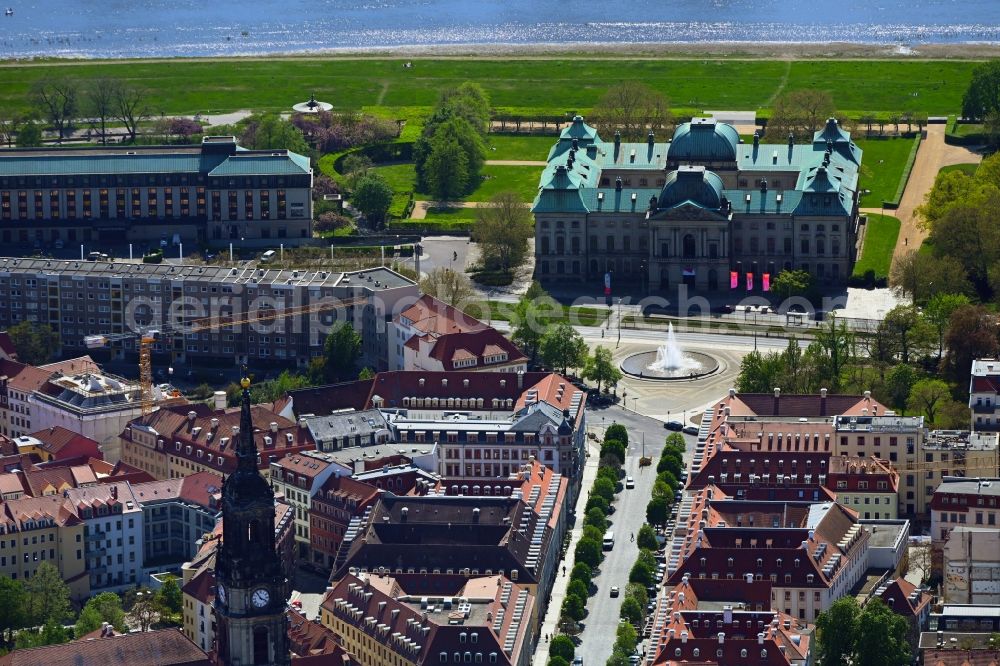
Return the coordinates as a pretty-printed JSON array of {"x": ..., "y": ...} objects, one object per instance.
[
  {"x": 670, "y": 357},
  {"x": 669, "y": 361}
]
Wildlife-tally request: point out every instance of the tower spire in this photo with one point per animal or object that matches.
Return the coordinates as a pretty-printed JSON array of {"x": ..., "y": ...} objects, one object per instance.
[{"x": 246, "y": 450}]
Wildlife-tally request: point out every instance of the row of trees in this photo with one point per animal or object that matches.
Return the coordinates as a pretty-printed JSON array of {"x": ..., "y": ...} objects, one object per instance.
[
  {"x": 963, "y": 239},
  {"x": 64, "y": 102},
  {"x": 35, "y": 612},
  {"x": 450, "y": 153}
]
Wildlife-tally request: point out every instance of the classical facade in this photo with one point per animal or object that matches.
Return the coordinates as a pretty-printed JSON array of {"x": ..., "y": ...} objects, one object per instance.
[
  {"x": 702, "y": 209},
  {"x": 217, "y": 191}
]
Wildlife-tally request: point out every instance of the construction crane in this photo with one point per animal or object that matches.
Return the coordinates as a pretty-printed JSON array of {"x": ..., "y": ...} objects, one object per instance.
[{"x": 150, "y": 334}]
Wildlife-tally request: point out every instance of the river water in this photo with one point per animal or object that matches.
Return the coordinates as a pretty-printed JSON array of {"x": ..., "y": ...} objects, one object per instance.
[{"x": 138, "y": 28}]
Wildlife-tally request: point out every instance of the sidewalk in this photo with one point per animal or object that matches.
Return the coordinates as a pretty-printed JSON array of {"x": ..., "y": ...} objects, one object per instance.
[{"x": 550, "y": 625}]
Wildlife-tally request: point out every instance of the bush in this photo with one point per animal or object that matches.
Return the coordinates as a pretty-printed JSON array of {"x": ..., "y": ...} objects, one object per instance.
[
  {"x": 604, "y": 487},
  {"x": 330, "y": 221},
  {"x": 616, "y": 431},
  {"x": 153, "y": 257},
  {"x": 589, "y": 552},
  {"x": 614, "y": 448},
  {"x": 581, "y": 571},
  {"x": 562, "y": 646},
  {"x": 596, "y": 518},
  {"x": 579, "y": 588},
  {"x": 647, "y": 538},
  {"x": 597, "y": 502},
  {"x": 637, "y": 591}
]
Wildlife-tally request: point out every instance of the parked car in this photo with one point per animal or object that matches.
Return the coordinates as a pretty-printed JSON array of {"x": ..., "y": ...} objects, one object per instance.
[
  {"x": 614, "y": 591},
  {"x": 577, "y": 661},
  {"x": 629, "y": 483},
  {"x": 676, "y": 426},
  {"x": 690, "y": 430}
]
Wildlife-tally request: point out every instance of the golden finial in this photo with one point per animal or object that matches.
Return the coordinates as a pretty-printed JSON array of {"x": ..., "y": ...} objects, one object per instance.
[{"x": 245, "y": 382}]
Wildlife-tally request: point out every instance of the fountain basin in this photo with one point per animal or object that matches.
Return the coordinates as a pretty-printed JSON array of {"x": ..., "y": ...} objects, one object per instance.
[{"x": 696, "y": 365}]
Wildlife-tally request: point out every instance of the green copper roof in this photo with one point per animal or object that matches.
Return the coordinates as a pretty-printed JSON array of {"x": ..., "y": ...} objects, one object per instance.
[
  {"x": 703, "y": 140},
  {"x": 581, "y": 131},
  {"x": 831, "y": 132},
  {"x": 692, "y": 184},
  {"x": 763, "y": 203},
  {"x": 69, "y": 164},
  {"x": 291, "y": 164}
]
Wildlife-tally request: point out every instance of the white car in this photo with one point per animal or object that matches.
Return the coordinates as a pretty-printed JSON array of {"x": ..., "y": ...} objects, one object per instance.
[{"x": 629, "y": 482}]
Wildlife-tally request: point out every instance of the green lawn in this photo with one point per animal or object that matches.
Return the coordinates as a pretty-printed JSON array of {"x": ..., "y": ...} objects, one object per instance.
[
  {"x": 451, "y": 214},
  {"x": 967, "y": 169},
  {"x": 554, "y": 86},
  {"x": 880, "y": 242},
  {"x": 882, "y": 166},
  {"x": 520, "y": 179},
  {"x": 519, "y": 147},
  {"x": 578, "y": 316}
]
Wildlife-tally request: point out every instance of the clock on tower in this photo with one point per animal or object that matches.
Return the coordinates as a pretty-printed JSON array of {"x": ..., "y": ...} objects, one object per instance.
[{"x": 252, "y": 589}]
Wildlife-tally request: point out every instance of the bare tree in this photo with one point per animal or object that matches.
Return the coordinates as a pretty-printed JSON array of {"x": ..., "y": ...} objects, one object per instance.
[
  {"x": 59, "y": 100},
  {"x": 800, "y": 112},
  {"x": 101, "y": 102},
  {"x": 449, "y": 286},
  {"x": 502, "y": 229},
  {"x": 131, "y": 106},
  {"x": 632, "y": 108},
  {"x": 8, "y": 130}
]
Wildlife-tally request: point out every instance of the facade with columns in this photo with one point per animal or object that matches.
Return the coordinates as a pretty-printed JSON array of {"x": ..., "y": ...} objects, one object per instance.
[{"x": 696, "y": 209}]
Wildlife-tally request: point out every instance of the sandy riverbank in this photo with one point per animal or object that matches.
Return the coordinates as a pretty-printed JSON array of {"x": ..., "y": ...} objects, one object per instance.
[{"x": 677, "y": 51}]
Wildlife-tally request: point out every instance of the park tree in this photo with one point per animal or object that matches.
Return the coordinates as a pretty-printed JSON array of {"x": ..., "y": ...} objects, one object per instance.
[
  {"x": 790, "y": 283},
  {"x": 647, "y": 538},
  {"x": 450, "y": 287},
  {"x": 599, "y": 502},
  {"x": 105, "y": 607},
  {"x": 144, "y": 610},
  {"x": 937, "y": 313},
  {"x": 48, "y": 596},
  {"x": 898, "y": 385},
  {"x": 921, "y": 275},
  {"x": 341, "y": 351},
  {"x": 971, "y": 334},
  {"x": 983, "y": 94},
  {"x": 169, "y": 595},
  {"x": 836, "y": 629},
  {"x": 269, "y": 131},
  {"x": 574, "y": 607},
  {"x": 447, "y": 168},
  {"x": 581, "y": 571},
  {"x": 614, "y": 448},
  {"x": 13, "y": 604},
  {"x": 502, "y": 229},
  {"x": 801, "y": 113},
  {"x": 642, "y": 574},
  {"x": 759, "y": 372},
  {"x": 35, "y": 343},
  {"x": 354, "y": 166},
  {"x": 906, "y": 330},
  {"x": 951, "y": 188},
  {"x": 880, "y": 637},
  {"x": 29, "y": 135},
  {"x": 51, "y": 633},
  {"x": 967, "y": 232},
  {"x": 530, "y": 320},
  {"x": 563, "y": 347},
  {"x": 588, "y": 552},
  {"x": 596, "y": 518},
  {"x": 99, "y": 103},
  {"x": 926, "y": 396},
  {"x": 604, "y": 488},
  {"x": 657, "y": 511},
  {"x": 459, "y": 117},
  {"x": 578, "y": 587},
  {"x": 131, "y": 104},
  {"x": 562, "y": 646},
  {"x": 58, "y": 98},
  {"x": 954, "y": 415},
  {"x": 601, "y": 368},
  {"x": 634, "y": 109},
  {"x": 372, "y": 196}
]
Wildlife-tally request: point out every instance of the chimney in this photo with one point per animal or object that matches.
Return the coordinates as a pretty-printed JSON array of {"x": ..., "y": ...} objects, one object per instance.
[
  {"x": 732, "y": 392},
  {"x": 618, "y": 138},
  {"x": 302, "y": 422},
  {"x": 791, "y": 140},
  {"x": 576, "y": 143},
  {"x": 215, "y": 424},
  {"x": 520, "y": 379},
  {"x": 684, "y": 637},
  {"x": 756, "y": 138},
  {"x": 822, "y": 393},
  {"x": 868, "y": 395},
  {"x": 722, "y": 638},
  {"x": 650, "y": 138},
  {"x": 618, "y": 184},
  {"x": 727, "y": 616},
  {"x": 114, "y": 492},
  {"x": 274, "y": 426},
  {"x": 192, "y": 416},
  {"x": 219, "y": 398},
  {"x": 777, "y": 392},
  {"x": 760, "y": 638}
]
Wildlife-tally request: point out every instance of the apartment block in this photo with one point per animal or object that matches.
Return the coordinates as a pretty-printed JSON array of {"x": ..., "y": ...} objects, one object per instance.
[
  {"x": 298, "y": 478},
  {"x": 80, "y": 299},
  {"x": 112, "y": 534},
  {"x": 984, "y": 394}
]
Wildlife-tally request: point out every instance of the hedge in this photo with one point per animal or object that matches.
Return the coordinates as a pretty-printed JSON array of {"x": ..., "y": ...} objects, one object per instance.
[{"x": 894, "y": 204}]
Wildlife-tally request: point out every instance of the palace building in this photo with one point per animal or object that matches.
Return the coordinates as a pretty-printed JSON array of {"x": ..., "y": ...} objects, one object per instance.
[
  {"x": 703, "y": 209},
  {"x": 217, "y": 191}
]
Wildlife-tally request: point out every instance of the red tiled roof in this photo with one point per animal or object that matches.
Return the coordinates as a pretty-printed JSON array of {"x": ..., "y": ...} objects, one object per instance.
[
  {"x": 62, "y": 441},
  {"x": 7, "y": 346},
  {"x": 73, "y": 366},
  {"x": 201, "y": 586},
  {"x": 899, "y": 592},
  {"x": 959, "y": 657},
  {"x": 23, "y": 377},
  {"x": 429, "y": 315},
  {"x": 989, "y": 383},
  {"x": 11, "y": 483},
  {"x": 459, "y": 346},
  {"x": 167, "y": 647}
]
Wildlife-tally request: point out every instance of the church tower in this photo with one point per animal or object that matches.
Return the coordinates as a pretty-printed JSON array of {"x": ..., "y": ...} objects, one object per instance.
[{"x": 251, "y": 587}]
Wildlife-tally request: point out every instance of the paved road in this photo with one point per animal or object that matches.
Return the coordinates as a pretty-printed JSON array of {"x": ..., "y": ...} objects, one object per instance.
[{"x": 630, "y": 514}]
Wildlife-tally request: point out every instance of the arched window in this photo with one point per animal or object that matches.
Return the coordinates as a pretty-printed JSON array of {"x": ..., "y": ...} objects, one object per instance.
[{"x": 689, "y": 246}]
